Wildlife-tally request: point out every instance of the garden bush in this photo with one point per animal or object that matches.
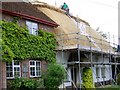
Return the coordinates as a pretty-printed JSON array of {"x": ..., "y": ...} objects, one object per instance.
[
  {"x": 118, "y": 79},
  {"x": 87, "y": 78},
  {"x": 54, "y": 76},
  {"x": 24, "y": 83}
]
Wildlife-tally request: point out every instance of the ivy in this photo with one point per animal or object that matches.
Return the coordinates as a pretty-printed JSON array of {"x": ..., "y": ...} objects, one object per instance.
[
  {"x": 5, "y": 51},
  {"x": 26, "y": 46}
]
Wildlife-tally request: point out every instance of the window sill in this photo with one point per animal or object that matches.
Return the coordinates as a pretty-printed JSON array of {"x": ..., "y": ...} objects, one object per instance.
[
  {"x": 12, "y": 77},
  {"x": 35, "y": 76}
]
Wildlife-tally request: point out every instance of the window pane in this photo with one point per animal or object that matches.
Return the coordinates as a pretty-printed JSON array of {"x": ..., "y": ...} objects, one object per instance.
[
  {"x": 29, "y": 25},
  {"x": 103, "y": 72},
  {"x": 9, "y": 70},
  {"x": 98, "y": 72},
  {"x": 38, "y": 64},
  {"x": 9, "y": 74},
  {"x": 32, "y": 26},
  {"x": 32, "y": 63},
  {"x": 37, "y": 68},
  {"x": 38, "y": 73},
  {"x": 16, "y": 68},
  {"x": 16, "y": 74},
  {"x": 17, "y": 71},
  {"x": 32, "y": 71}
]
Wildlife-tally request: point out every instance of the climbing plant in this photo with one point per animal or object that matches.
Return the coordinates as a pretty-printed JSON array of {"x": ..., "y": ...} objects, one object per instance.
[
  {"x": 26, "y": 46},
  {"x": 87, "y": 78},
  {"x": 5, "y": 52}
]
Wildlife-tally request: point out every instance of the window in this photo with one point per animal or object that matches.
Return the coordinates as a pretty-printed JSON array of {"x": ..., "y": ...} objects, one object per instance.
[
  {"x": 32, "y": 27},
  {"x": 13, "y": 69},
  {"x": 35, "y": 68},
  {"x": 103, "y": 72},
  {"x": 82, "y": 28},
  {"x": 97, "y": 72}
]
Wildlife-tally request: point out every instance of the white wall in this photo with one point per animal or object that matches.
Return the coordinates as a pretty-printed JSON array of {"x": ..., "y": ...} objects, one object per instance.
[
  {"x": 62, "y": 57},
  {"x": 108, "y": 71}
]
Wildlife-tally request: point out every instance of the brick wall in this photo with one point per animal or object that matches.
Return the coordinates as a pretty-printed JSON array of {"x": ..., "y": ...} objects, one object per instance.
[
  {"x": 46, "y": 28},
  {"x": 25, "y": 72},
  {"x": 25, "y": 69},
  {"x": 2, "y": 75},
  {"x": 22, "y": 22},
  {"x": 44, "y": 66},
  {"x": 9, "y": 18}
]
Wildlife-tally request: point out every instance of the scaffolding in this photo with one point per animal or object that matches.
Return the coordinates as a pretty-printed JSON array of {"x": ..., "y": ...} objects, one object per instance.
[{"x": 89, "y": 52}]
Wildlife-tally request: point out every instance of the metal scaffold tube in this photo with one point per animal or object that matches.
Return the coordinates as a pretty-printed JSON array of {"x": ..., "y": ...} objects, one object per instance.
[
  {"x": 79, "y": 69},
  {"x": 103, "y": 53}
]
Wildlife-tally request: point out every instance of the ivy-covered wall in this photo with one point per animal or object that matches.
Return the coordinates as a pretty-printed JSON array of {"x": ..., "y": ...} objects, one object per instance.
[{"x": 23, "y": 45}]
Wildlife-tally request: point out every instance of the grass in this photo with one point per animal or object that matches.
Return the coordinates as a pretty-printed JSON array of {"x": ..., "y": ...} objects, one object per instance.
[{"x": 109, "y": 88}]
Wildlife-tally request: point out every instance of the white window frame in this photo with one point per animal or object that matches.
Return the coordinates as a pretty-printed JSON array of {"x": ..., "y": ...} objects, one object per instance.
[
  {"x": 34, "y": 67},
  {"x": 32, "y": 26},
  {"x": 13, "y": 72}
]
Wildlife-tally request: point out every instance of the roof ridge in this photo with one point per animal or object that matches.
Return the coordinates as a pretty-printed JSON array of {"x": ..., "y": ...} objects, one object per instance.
[{"x": 46, "y": 5}]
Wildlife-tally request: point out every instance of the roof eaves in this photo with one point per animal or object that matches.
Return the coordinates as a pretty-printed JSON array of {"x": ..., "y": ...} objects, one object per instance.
[{"x": 30, "y": 18}]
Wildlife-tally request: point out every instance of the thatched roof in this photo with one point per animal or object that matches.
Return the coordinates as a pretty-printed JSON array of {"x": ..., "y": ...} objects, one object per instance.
[{"x": 69, "y": 34}]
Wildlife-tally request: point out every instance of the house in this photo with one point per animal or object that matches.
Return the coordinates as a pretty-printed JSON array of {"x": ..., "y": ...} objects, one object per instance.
[
  {"x": 79, "y": 46},
  {"x": 25, "y": 14}
]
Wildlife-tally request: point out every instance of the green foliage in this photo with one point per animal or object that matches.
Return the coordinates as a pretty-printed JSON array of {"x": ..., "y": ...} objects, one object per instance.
[
  {"x": 87, "y": 78},
  {"x": 118, "y": 79},
  {"x": 27, "y": 46},
  {"x": 24, "y": 83},
  {"x": 15, "y": 19},
  {"x": 5, "y": 52},
  {"x": 54, "y": 76},
  {"x": 40, "y": 83}
]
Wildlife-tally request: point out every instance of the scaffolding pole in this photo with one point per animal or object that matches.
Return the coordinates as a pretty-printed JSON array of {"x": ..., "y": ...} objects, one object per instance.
[
  {"x": 91, "y": 51},
  {"x": 79, "y": 69}
]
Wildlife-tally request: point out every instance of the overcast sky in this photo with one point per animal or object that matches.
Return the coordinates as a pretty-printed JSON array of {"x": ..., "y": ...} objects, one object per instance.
[{"x": 99, "y": 13}]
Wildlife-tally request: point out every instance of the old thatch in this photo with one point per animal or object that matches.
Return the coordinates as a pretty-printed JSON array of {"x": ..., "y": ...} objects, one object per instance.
[{"x": 73, "y": 31}]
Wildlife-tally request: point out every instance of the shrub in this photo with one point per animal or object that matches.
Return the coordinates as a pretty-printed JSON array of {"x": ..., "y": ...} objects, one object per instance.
[
  {"x": 118, "y": 79},
  {"x": 54, "y": 76},
  {"x": 87, "y": 78},
  {"x": 24, "y": 83}
]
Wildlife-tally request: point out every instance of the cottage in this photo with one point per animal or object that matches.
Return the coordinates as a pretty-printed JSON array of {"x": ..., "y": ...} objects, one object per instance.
[
  {"x": 80, "y": 46},
  {"x": 24, "y": 14}
]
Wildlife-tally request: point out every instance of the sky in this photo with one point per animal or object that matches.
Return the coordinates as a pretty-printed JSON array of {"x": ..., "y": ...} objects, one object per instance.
[{"x": 98, "y": 13}]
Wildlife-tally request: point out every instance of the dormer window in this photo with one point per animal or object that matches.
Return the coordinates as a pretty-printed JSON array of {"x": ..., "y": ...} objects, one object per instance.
[
  {"x": 82, "y": 28},
  {"x": 32, "y": 27}
]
